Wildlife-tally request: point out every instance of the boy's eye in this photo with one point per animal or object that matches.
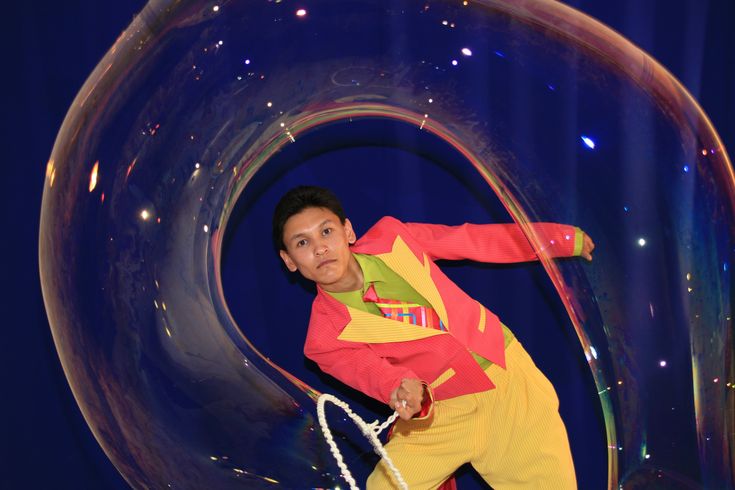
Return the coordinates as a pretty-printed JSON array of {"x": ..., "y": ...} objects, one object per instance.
[
  {"x": 301, "y": 243},
  {"x": 327, "y": 231}
]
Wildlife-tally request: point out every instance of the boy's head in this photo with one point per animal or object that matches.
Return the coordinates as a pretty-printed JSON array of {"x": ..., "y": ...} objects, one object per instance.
[
  {"x": 298, "y": 199},
  {"x": 314, "y": 237}
]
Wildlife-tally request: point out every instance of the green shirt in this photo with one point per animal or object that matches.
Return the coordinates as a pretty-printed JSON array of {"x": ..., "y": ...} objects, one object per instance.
[{"x": 390, "y": 285}]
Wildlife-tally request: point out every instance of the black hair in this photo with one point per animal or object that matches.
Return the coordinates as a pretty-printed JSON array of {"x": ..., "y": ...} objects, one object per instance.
[{"x": 298, "y": 199}]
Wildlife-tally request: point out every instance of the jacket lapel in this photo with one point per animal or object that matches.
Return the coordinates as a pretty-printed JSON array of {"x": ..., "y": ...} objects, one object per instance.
[
  {"x": 374, "y": 329},
  {"x": 404, "y": 263}
]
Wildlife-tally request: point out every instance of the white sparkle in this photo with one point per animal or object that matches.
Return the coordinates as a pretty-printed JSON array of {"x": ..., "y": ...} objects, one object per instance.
[{"x": 589, "y": 142}]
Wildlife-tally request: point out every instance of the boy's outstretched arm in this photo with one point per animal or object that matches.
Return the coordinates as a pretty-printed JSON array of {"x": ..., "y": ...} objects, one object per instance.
[{"x": 500, "y": 243}]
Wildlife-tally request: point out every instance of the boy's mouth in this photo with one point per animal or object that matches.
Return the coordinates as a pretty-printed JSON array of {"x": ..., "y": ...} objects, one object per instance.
[{"x": 325, "y": 262}]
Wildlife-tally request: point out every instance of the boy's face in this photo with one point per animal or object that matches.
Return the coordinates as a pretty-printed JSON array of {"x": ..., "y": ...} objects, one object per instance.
[{"x": 318, "y": 246}]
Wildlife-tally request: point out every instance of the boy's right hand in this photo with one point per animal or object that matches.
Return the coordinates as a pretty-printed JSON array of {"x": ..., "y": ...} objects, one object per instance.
[{"x": 407, "y": 398}]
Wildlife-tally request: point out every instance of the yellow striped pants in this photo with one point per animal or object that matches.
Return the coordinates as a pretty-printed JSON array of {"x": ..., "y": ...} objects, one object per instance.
[{"x": 513, "y": 435}]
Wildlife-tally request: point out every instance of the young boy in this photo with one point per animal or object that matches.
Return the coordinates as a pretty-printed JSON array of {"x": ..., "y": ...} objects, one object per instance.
[{"x": 389, "y": 323}]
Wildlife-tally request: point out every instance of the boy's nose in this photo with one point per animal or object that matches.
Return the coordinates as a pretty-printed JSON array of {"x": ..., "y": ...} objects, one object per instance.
[{"x": 320, "y": 249}]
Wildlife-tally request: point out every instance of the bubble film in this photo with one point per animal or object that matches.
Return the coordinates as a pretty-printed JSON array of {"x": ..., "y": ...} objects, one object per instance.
[{"x": 196, "y": 97}]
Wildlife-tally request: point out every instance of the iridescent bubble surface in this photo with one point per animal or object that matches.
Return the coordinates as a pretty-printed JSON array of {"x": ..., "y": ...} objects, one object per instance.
[{"x": 555, "y": 117}]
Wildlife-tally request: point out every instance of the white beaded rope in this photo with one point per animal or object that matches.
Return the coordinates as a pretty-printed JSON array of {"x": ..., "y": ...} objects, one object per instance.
[{"x": 370, "y": 431}]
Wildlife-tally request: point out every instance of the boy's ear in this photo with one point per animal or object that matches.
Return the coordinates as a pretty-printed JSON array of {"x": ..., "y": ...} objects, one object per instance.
[
  {"x": 290, "y": 265},
  {"x": 351, "y": 237}
]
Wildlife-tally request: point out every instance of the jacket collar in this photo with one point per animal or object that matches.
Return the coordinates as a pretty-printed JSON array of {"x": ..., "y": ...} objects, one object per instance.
[{"x": 366, "y": 327}]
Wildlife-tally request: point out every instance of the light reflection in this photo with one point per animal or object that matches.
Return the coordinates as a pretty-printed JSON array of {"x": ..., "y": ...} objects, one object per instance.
[
  {"x": 589, "y": 142},
  {"x": 49, "y": 168},
  {"x": 93, "y": 176},
  {"x": 641, "y": 242},
  {"x": 145, "y": 214},
  {"x": 130, "y": 168},
  {"x": 301, "y": 12},
  {"x": 466, "y": 51}
]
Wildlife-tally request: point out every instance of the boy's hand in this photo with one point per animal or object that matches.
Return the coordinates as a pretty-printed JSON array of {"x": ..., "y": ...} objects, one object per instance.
[
  {"x": 587, "y": 247},
  {"x": 407, "y": 398}
]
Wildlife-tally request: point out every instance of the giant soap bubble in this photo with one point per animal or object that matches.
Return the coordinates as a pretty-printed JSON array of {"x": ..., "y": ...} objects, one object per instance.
[{"x": 558, "y": 118}]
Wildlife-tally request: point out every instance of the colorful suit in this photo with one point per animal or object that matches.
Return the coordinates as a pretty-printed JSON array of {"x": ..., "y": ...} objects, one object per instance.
[{"x": 373, "y": 354}]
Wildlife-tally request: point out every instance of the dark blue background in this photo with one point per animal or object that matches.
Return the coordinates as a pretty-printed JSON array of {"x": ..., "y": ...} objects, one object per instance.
[{"x": 49, "y": 48}]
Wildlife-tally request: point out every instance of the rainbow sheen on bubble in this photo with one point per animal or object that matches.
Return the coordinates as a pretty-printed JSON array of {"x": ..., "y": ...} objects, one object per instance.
[{"x": 558, "y": 119}]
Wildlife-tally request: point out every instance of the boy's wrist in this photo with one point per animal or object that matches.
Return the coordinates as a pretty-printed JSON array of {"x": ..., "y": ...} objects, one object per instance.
[{"x": 427, "y": 402}]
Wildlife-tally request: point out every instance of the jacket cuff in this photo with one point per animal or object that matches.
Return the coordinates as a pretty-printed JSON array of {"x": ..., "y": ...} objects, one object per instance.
[{"x": 578, "y": 241}]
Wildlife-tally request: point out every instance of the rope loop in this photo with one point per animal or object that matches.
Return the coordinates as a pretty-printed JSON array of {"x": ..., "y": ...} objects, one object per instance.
[{"x": 371, "y": 431}]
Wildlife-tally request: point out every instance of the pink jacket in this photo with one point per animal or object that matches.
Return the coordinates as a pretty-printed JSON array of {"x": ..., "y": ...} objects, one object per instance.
[{"x": 373, "y": 354}]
